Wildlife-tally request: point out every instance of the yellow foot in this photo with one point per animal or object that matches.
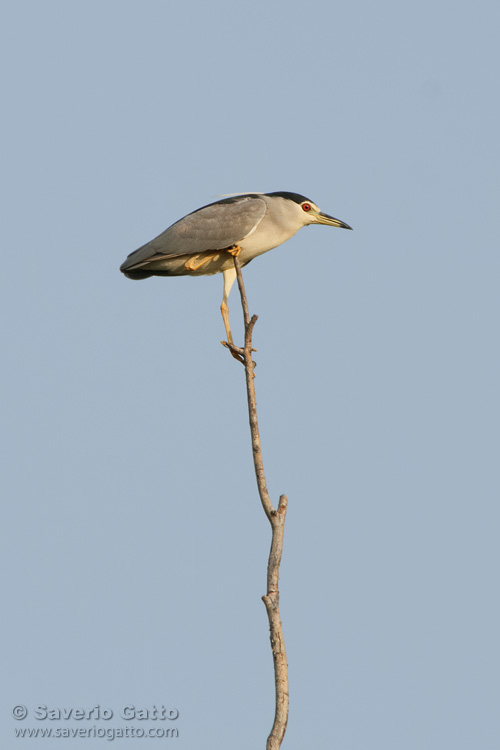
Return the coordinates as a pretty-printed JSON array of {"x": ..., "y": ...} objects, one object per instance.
[
  {"x": 199, "y": 260},
  {"x": 234, "y": 251},
  {"x": 236, "y": 354}
]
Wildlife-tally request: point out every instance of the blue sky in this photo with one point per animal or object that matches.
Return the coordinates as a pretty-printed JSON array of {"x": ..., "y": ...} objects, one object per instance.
[{"x": 135, "y": 547}]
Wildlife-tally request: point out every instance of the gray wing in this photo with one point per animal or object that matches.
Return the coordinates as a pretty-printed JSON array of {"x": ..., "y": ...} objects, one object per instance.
[{"x": 215, "y": 227}]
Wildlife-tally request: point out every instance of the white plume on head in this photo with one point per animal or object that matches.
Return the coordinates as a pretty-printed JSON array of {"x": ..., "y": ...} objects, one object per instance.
[{"x": 246, "y": 192}]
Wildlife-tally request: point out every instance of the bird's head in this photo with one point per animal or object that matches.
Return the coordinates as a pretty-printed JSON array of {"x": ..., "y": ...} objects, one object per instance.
[{"x": 307, "y": 212}]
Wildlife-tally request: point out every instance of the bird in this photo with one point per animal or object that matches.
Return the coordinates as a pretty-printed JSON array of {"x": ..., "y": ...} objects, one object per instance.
[{"x": 206, "y": 241}]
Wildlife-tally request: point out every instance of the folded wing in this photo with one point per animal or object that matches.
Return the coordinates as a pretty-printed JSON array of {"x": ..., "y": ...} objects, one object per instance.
[{"x": 218, "y": 226}]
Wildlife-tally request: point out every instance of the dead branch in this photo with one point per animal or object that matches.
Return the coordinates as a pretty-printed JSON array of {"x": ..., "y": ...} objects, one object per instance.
[{"x": 277, "y": 520}]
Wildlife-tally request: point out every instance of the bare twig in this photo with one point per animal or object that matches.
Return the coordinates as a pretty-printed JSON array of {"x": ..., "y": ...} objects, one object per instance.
[{"x": 277, "y": 520}]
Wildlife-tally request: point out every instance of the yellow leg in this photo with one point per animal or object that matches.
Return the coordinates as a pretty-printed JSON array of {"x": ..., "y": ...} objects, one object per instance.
[
  {"x": 229, "y": 278},
  {"x": 225, "y": 317}
]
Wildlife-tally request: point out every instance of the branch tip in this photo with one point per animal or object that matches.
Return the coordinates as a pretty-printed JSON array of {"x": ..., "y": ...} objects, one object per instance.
[{"x": 283, "y": 504}]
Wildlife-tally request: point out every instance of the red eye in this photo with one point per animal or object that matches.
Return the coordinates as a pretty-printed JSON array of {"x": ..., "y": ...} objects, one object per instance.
[{"x": 306, "y": 206}]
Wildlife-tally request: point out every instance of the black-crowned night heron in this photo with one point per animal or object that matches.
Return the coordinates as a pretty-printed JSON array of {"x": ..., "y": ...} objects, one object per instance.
[{"x": 206, "y": 241}]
